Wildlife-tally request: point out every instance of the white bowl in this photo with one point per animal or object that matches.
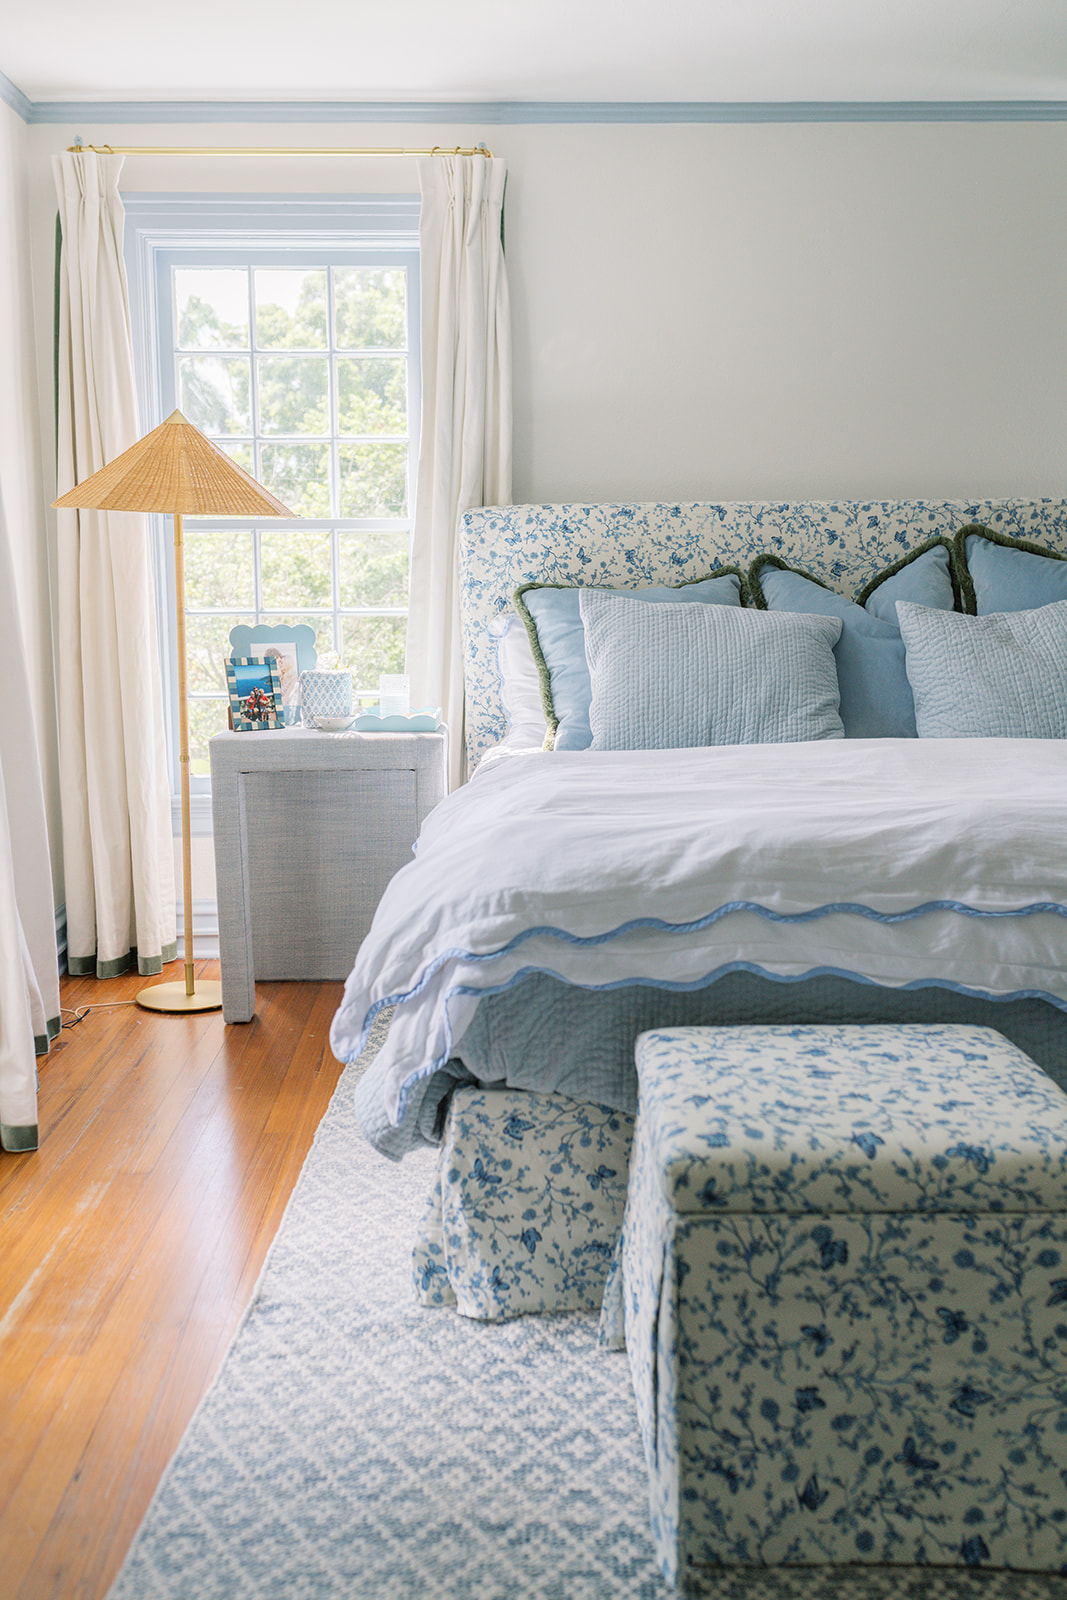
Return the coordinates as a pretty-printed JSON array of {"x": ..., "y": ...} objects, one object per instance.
[{"x": 333, "y": 724}]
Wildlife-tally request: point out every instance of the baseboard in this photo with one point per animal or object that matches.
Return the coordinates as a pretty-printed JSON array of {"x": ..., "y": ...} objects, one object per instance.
[
  {"x": 205, "y": 929},
  {"x": 200, "y": 826}
]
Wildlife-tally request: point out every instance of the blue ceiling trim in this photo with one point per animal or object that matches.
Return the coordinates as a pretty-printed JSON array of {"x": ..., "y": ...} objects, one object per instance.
[
  {"x": 500, "y": 112},
  {"x": 12, "y": 95}
]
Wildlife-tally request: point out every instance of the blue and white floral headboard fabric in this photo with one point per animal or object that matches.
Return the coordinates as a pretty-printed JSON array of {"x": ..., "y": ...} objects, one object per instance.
[{"x": 843, "y": 542}]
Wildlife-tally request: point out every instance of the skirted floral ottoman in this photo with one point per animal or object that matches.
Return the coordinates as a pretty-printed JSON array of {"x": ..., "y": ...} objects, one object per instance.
[
  {"x": 843, "y": 1282},
  {"x": 527, "y": 1205}
]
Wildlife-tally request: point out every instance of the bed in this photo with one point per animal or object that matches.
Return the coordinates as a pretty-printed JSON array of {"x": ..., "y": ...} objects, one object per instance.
[{"x": 564, "y": 900}]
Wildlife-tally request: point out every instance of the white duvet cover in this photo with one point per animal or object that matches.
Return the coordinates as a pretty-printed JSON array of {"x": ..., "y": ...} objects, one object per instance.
[{"x": 898, "y": 862}]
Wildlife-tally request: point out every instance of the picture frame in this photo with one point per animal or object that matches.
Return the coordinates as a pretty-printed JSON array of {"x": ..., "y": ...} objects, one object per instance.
[
  {"x": 255, "y": 688},
  {"x": 291, "y": 645}
]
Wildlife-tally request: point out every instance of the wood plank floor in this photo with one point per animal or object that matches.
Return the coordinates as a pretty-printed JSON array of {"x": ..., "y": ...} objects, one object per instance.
[{"x": 129, "y": 1246}]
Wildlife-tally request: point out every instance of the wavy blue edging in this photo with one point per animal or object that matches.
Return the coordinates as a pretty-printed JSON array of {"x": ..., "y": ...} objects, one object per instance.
[
  {"x": 678, "y": 986},
  {"x": 697, "y": 983},
  {"x": 729, "y": 906}
]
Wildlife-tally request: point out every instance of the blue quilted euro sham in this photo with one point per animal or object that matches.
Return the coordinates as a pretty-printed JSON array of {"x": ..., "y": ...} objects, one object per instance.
[
  {"x": 1001, "y": 676},
  {"x": 686, "y": 676}
]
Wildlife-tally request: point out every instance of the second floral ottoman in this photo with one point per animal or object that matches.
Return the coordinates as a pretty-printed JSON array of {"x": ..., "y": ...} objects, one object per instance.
[{"x": 843, "y": 1279}]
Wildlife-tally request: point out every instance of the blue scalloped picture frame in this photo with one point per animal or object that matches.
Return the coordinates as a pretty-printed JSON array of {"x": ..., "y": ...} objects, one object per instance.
[
  {"x": 302, "y": 635},
  {"x": 249, "y": 639}
]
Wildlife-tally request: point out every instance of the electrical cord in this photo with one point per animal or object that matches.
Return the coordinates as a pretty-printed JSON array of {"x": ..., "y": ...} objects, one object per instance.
[{"x": 79, "y": 1013}]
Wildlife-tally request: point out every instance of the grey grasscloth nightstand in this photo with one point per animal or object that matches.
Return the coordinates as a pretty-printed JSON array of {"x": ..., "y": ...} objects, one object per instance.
[{"x": 309, "y": 828}]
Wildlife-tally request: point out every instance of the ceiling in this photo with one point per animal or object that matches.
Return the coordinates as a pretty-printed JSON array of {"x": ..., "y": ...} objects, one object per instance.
[{"x": 537, "y": 50}]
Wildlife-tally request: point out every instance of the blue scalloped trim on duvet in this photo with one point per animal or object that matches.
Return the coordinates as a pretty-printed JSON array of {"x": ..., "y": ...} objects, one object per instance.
[
  {"x": 590, "y": 940},
  {"x": 679, "y": 986}
]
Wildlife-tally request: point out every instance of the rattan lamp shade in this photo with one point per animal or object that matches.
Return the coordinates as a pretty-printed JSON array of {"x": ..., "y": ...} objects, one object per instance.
[{"x": 175, "y": 468}]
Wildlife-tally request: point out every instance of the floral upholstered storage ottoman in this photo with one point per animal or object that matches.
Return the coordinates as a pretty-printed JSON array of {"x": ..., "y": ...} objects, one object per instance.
[
  {"x": 843, "y": 1279},
  {"x": 527, "y": 1205}
]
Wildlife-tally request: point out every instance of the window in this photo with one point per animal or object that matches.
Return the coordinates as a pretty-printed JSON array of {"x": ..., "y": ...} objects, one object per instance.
[{"x": 297, "y": 355}]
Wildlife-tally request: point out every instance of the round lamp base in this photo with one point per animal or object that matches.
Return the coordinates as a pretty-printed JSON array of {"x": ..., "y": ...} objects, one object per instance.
[{"x": 172, "y": 997}]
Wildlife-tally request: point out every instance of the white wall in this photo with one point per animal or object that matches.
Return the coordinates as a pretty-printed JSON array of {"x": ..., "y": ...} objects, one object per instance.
[
  {"x": 716, "y": 311},
  {"x": 775, "y": 311},
  {"x": 739, "y": 311}
]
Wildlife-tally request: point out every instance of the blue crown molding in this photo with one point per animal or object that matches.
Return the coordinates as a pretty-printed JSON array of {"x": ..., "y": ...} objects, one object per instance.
[
  {"x": 500, "y": 112},
  {"x": 12, "y": 95}
]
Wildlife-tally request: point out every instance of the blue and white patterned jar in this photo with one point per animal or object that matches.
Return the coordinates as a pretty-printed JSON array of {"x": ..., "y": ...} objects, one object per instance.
[{"x": 325, "y": 694}]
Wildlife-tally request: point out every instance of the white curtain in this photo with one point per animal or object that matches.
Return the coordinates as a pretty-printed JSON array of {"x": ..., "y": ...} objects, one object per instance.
[
  {"x": 465, "y": 445},
  {"x": 118, "y": 854},
  {"x": 29, "y": 968}
]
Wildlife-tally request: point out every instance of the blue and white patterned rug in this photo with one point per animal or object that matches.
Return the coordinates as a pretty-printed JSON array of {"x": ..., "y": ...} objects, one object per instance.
[{"x": 355, "y": 1446}]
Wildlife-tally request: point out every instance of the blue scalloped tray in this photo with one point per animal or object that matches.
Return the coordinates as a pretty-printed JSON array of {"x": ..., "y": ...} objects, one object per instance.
[{"x": 370, "y": 720}]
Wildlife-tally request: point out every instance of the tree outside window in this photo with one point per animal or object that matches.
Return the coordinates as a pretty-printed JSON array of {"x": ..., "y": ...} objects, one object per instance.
[{"x": 303, "y": 373}]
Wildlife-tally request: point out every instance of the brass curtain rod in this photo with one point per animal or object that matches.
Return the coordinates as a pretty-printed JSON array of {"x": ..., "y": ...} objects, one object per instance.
[{"x": 264, "y": 150}]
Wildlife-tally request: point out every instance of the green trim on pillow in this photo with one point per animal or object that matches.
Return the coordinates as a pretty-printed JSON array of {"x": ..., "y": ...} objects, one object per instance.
[
  {"x": 995, "y": 536},
  {"x": 957, "y": 572},
  {"x": 755, "y": 588},
  {"x": 544, "y": 677},
  {"x": 956, "y": 569}
]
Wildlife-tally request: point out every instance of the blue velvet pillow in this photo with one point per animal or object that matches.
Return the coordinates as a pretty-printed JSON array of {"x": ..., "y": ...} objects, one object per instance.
[
  {"x": 1005, "y": 574},
  {"x": 1001, "y": 676},
  {"x": 876, "y": 697},
  {"x": 552, "y": 615},
  {"x": 684, "y": 676}
]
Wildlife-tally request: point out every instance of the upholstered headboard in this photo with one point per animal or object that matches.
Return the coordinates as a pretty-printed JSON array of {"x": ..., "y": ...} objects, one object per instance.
[{"x": 843, "y": 542}]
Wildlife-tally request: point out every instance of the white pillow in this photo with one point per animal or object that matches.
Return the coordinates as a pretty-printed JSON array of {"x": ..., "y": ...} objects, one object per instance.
[{"x": 520, "y": 683}]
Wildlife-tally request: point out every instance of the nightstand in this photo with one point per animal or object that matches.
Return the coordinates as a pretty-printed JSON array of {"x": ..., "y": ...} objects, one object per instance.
[{"x": 309, "y": 828}]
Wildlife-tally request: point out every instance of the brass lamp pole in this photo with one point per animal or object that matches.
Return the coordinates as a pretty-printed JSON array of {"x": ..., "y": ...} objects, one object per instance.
[{"x": 176, "y": 469}]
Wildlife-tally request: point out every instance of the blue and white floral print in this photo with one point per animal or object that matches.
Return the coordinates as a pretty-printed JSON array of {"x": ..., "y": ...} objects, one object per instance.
[
  {"x": 843, "y": 1276},
  {"x": 527, "y": 1205},
  {"x": 845, "y": 543}
]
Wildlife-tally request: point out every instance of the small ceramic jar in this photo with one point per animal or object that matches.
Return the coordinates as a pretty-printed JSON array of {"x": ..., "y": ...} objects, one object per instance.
[{"x": 325, "y": 694}]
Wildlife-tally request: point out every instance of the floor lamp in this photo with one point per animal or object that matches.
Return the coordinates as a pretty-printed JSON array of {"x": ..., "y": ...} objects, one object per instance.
[{"x": 176, "y": 469}]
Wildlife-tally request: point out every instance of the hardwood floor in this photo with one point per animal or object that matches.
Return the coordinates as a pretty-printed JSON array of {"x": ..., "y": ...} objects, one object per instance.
[{"x": 129, "y": 1247}]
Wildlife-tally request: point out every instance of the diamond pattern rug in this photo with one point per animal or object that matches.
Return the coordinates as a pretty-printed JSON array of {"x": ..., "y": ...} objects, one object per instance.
[{"x": 355, "y": 1446}]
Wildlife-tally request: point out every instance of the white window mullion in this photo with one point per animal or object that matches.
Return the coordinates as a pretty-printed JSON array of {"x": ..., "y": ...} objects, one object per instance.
[{"x": 257, "y": 576}]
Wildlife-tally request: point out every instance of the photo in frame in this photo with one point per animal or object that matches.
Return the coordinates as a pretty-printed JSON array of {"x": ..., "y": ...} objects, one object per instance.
[{"x": 255, "y": 687}]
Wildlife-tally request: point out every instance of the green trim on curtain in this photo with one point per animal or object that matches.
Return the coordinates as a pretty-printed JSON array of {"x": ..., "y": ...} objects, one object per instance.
[
  {"x": 150, "y": 965},
  {"x": 147, "y": 966},
  {"x": 18, "y": 1138},
  {"x": 85, "y": 966},
  {"x": 41, "y": 1041}
]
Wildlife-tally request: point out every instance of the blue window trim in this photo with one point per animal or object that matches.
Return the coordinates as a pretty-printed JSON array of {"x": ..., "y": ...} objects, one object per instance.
[{"x": 162, "y": 230}]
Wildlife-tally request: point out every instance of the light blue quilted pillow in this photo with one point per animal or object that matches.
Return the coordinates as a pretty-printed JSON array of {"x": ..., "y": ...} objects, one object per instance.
[
  {"x": 1003, "y": 676},
  {"x": 553, "y": 621},
  {"x": 677, "y": 677}
]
